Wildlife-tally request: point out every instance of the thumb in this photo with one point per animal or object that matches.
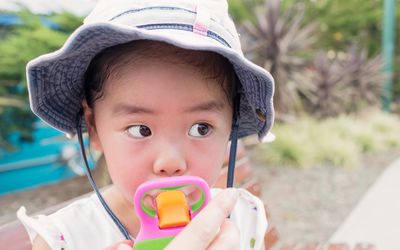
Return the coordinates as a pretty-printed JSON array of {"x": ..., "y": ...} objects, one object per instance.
[{"x": 124, "y": 246}]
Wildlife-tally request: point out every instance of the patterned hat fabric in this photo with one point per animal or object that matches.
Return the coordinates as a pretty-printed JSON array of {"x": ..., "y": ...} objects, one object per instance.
[{"x": 56, "y": 80}]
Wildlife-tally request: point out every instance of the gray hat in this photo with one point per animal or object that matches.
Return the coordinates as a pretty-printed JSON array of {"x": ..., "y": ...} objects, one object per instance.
[{"x": 56, "y": 80}]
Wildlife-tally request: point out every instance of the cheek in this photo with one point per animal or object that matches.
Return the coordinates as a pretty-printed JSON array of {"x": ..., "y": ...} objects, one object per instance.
[
  {"x": 127, "y": 177},
  {"x": 209, "y": 165},
  {"x": 127, "y": 170}
]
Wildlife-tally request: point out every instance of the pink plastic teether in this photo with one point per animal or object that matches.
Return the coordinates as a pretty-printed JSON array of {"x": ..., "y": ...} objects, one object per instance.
[{"x": 149, "y": 227}]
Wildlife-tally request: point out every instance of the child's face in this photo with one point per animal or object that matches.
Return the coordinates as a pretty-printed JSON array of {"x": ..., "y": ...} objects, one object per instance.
[{"x": 158, "y": 119}]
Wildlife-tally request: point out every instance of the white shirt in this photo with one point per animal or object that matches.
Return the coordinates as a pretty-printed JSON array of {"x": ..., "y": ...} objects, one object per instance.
[{"x": 84, "y": 224}]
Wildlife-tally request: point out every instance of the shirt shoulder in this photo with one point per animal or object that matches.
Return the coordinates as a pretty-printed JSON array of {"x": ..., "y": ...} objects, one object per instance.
[{"x": 83, "y": 219}]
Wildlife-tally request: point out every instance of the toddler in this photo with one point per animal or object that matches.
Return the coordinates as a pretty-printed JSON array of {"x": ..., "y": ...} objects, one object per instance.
[{"x": 161, "y": 86}]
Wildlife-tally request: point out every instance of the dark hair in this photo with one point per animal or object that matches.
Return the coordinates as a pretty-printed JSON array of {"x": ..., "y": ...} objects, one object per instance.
[{"x": 107, "y": 63}]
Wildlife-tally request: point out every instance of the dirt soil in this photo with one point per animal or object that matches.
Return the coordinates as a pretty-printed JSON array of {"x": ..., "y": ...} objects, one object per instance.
[{"x": 306, "y": 205}]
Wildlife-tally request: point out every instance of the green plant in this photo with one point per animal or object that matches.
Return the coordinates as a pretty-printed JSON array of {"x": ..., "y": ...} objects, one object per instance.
[
  {"x": 343, "y": 82},
  {"x": 241, "y": 10},
  {"x": 339, "y": 141},
  {"x": 21, "y": 44},
  {"x": 289, "y": 148},
  {"x": 281, "y": 43},
  {"x": 364, "y": 79},
  {"x": 338, "y": 24},
  {"x": 325, "y": 96},
  {"x": 346, "y": 22}
]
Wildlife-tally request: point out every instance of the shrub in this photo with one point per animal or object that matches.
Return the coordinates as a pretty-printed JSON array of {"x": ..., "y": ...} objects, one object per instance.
[
  {"x": 280, "y": 42},
  {"x": 337, "y": 141}
]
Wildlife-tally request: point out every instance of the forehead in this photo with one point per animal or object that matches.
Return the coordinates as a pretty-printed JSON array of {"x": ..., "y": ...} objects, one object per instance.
[
  {"x": 114, "y": 62},
  {"x": 210, "y": 64},
  {"x": 160, "y": 88},
  {"x": 151, "y": 77}
]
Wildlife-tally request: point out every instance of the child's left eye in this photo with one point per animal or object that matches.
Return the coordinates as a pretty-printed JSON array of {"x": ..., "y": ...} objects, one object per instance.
[{"x": 200, "y": 130}]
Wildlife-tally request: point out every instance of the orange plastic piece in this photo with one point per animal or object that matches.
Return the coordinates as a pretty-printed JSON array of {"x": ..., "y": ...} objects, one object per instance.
[{"x": 172, "y": 209}]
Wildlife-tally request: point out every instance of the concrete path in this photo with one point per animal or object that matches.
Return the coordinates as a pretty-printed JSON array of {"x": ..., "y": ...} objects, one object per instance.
[{"x": 376, "y": 218}]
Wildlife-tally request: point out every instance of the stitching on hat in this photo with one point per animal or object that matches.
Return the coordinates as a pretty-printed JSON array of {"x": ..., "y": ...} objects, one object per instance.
[
  {"x": 185, "y": 27},
  {"x": 200, "y": 28},
  {"x": 252, "y": 92},
  {"x": 53, "y": 118},
  {"x": 150, "y": 8},
  {"x": 162, "y": 8},
  {"x": 37, "y": 84}
]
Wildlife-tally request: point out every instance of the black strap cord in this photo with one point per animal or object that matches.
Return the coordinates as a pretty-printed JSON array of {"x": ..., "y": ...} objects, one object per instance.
[
  {"x": 234, "y": 140},
  {"x": 117, "y": 222}
]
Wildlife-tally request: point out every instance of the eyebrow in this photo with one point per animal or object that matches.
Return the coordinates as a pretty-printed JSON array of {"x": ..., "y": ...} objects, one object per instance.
[
  {"x": 122, "y": 109},
  {"x": 206, "y": 106}
]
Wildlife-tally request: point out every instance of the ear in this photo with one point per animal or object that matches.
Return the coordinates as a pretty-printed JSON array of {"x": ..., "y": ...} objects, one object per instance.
[{"x": 88, "y": 114}]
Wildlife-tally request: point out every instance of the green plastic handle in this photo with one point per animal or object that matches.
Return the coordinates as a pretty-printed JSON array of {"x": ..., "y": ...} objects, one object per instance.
[{"x": 153, "y": 244}]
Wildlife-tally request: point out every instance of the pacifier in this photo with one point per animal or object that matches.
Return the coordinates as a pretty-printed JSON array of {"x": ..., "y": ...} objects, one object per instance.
[{"x": 165, "y": 206}]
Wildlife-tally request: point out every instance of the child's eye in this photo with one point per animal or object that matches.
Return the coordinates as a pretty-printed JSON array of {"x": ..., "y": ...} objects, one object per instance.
[
  {"x": 200, "y": 130},
  {"x": 139, "y": 131}
]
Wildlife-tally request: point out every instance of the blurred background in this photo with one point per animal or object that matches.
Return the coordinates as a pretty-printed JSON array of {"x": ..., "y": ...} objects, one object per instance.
[{"x": 336, "y": 68}]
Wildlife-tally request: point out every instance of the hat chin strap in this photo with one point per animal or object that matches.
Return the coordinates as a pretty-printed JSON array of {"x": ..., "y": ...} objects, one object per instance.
[
  {"x": 117, "y": 222},
  {"x": 234, "y": 140}
]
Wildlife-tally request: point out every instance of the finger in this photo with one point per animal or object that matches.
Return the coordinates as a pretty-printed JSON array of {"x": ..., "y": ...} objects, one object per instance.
[
  {"x": 202, "y": 230},
  {"x": 227, "y": 238},
  {"x": 123, "y": 245}
]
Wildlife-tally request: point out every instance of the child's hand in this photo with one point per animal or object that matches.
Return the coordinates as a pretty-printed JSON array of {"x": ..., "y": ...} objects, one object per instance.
[
  {"x": 123, "y": 245},
  {"x": 211, "y": 229}
]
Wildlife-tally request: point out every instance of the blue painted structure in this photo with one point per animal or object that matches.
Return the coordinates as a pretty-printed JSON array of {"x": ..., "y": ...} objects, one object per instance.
[
  {"x": 8, "y": 19},
  {"x": 49, "y": 158}
]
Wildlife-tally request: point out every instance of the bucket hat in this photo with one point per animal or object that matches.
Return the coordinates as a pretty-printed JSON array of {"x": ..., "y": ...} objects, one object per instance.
[{"x": 56, "y": 80}]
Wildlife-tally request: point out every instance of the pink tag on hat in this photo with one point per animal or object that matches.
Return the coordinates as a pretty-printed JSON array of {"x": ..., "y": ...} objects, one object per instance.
[{"x": 202, "y": 21}]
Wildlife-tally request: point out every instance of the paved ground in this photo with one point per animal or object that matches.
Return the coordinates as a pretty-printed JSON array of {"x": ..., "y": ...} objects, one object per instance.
[{"x": 376, "y": 218}]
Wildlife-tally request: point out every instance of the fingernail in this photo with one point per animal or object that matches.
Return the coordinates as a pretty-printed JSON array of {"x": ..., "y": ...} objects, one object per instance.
[{"x": 124, "y": 247}]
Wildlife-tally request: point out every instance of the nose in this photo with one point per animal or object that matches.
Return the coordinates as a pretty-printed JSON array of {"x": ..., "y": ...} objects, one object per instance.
[{"x": 170, "y": 162}]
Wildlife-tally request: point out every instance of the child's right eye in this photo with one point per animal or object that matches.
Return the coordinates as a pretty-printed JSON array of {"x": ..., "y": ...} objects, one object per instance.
[{"x": 139, "y": 131}]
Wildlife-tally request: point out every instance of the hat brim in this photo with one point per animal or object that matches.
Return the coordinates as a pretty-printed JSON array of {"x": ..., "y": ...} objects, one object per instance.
[{"x": 55, "y": 80}]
